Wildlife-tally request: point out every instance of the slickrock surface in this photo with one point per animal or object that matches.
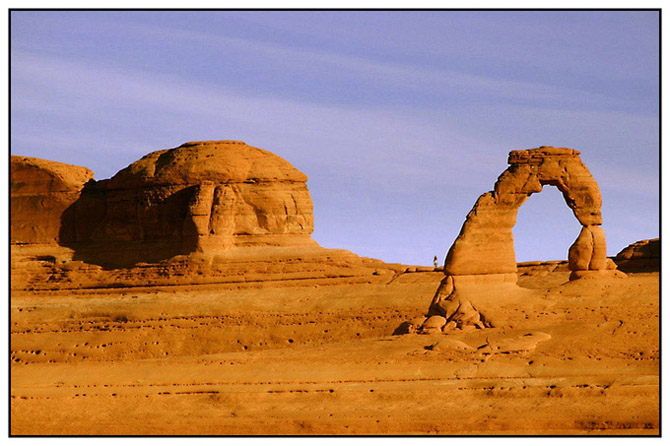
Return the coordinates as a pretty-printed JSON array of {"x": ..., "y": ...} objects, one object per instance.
[
  {"x": 40, "y": 193},
  {"x": 573, "y": 357},
  {"x": 643, "y": 255}
]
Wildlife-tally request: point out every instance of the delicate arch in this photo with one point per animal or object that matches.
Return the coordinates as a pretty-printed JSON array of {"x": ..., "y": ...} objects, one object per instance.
[
  {"x": 483, "y": 253},
  {"x": 485, "y": 244}
]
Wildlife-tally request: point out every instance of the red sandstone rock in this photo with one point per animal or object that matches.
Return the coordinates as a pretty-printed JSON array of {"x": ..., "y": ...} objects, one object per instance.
[
  {"x": 642, "y": 249},
  {"x": 643, "y": 255},
  {"x": 201, "y": 197},
  {"x": 485, "y": 244},
  {"x": 581, "y": 251},
  {"x": 203, "y": 213},
  {"x": 40, "y": 193}
]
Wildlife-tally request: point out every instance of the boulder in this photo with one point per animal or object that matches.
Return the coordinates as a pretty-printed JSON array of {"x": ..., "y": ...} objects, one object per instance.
[{"x": 434, "y": 322}]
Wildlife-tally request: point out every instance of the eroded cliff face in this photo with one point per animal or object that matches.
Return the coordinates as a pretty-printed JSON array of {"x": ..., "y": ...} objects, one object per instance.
[
  {"x": 40, "y": 193},
  {"x": 199, "y": 197}
]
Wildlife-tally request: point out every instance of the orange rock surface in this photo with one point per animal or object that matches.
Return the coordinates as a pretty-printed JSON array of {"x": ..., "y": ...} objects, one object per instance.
[
  {"x": 201, "y": 197},
  {"x": 483, "y": 253},
  {"x": 318, "y": 357},
  {"x": 485, "y": 244},
  {"x": 40, "y": 193},
  {"x": 643, "y": 254},
  {"x": 204, "y": 212}
]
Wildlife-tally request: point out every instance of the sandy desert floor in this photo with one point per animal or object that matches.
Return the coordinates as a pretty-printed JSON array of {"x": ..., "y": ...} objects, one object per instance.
[{"x": 564, "y": 357}]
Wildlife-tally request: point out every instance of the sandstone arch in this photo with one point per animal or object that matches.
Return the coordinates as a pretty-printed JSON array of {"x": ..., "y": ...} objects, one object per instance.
[
  {"x": 484, "y": 253},
  {"x": 485, "y": 244}
]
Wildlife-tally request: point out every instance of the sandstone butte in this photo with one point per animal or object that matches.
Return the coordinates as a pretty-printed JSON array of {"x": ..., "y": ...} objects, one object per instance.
[{"x": 185, "y": 295}]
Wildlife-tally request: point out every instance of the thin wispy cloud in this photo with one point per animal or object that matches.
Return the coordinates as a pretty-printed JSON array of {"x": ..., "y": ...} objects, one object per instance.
[
  {"x": 347, "y": 129},
  {"x": 304, "y": 60}
]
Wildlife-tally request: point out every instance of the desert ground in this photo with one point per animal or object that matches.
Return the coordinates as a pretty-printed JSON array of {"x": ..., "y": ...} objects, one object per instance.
[{"x": 320, "y": 357}]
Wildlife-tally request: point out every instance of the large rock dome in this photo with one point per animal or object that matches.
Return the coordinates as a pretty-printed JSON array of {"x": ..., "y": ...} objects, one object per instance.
[
  {"x": 211, "y": 212},
  {"x": 203, "y": 161},
  {"x": 201, "y": 197}
]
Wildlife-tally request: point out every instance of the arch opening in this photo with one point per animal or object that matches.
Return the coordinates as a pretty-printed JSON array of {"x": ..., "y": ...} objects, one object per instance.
[{"x": 545, "y": 228}]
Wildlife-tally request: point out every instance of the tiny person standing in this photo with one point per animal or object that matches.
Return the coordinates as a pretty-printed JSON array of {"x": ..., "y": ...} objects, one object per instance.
[{"x": 435, "y": 261}]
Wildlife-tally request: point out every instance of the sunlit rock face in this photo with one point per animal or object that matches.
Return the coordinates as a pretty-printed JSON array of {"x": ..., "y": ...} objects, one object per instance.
[
  {"x": 213, "y": 212},
  {"x": 203, "y": 196}
]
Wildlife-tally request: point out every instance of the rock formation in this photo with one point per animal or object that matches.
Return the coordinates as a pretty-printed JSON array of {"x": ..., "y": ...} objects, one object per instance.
[
  {"x": 484, "y": 249},
  {"x": 643, "y": 255},
  {"x": 485, "y": 244},
  {"x": 40, "y": 193},
  {"x": 204, "y": 212},
  {"x": 200, "y": 197}
]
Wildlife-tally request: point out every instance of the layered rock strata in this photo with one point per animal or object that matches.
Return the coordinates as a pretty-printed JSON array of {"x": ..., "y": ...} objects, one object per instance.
[
  {"x": 484, "y": 249},
  {"x": 200, "y": 197}
]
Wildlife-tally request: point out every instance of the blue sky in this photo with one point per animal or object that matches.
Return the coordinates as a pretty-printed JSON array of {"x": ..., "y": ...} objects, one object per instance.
[{"x": 399, "y": 119}]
